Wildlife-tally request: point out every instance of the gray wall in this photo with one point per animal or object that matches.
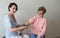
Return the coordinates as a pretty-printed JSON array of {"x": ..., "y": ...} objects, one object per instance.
[{"x": 28, "y": 8}]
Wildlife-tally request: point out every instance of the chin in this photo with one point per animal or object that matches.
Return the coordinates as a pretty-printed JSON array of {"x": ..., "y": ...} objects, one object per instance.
[{"x": 13, "y": 12}]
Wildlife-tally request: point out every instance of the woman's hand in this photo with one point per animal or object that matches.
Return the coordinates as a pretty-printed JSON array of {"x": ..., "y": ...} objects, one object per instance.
[
  {"x": 21, "y": 28},
  {"x": 38, "y": 36}
]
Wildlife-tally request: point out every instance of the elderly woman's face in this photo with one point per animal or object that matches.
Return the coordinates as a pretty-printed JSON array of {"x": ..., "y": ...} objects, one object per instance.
[
  {"x": 13, "y": 9},
  {"x": 40, "y": 12}
]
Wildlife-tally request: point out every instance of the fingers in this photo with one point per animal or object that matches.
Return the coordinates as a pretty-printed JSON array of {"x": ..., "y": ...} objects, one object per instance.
[{"x": 22, "y": 28}]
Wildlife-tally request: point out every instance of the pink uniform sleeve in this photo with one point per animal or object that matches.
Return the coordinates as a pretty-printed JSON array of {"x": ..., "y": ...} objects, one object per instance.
[
  {"x": 43, "y": 30},
  {"x": 32, "y": 20}
]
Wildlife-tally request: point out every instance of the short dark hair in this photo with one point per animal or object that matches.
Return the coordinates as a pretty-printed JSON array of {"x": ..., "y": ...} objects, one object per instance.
[
  {"x": 11, "y": 4},
  {"x": 42, "y": 8}
]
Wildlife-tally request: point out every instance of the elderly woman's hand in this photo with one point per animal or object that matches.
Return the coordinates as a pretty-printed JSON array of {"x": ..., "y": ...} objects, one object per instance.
[{"x": 21, "y": 28}]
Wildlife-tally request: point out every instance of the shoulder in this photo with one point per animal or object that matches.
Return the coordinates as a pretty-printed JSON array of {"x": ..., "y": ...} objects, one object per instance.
[
  {"x": 6, "y": 17},
  {"x": 34, "y": 17},
  {"x": 44, "y": 19}
]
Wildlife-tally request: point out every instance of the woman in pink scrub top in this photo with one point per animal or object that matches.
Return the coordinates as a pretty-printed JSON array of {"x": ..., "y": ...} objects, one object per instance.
[{"x": 39, "y": 23}]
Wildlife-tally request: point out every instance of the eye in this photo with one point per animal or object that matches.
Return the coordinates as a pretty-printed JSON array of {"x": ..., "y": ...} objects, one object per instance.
[{"x": 14, "y": 8}]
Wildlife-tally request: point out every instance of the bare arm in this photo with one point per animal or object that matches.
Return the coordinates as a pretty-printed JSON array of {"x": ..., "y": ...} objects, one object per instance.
[{"x": 16, "y": 29}]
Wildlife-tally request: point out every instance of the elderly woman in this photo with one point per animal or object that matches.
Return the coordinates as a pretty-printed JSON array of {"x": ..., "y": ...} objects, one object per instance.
[{"x": 39, "y": 23}]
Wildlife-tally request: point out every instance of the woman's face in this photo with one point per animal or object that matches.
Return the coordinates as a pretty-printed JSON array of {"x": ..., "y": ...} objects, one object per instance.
[
  {"x": 40, "y": 13},
  {"x": 13, "y": 9}
]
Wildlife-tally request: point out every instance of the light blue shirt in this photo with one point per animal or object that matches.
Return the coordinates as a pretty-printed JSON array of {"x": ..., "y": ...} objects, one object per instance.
[{"x": 8, "y": 22}]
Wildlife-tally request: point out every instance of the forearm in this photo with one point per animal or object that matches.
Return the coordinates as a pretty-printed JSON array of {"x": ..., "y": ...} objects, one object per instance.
[
  {"x": 13, "y": 29},
  {"x": 16, "y": 29},
  {"x": 27, "y": 25},
  {"x": 41, "y": 34}
]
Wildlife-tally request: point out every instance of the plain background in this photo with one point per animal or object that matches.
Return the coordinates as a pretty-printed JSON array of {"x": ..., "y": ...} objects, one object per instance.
[{"x": 28, "y": 8}]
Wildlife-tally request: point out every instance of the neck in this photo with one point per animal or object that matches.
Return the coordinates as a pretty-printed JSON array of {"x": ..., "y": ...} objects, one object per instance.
[
  {"x": 10, "y": 13},
  {"x": 40, "y": 16}
]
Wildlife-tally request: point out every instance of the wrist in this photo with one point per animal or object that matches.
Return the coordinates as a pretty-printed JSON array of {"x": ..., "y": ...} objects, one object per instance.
[{"x": 17, "y": 29}]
